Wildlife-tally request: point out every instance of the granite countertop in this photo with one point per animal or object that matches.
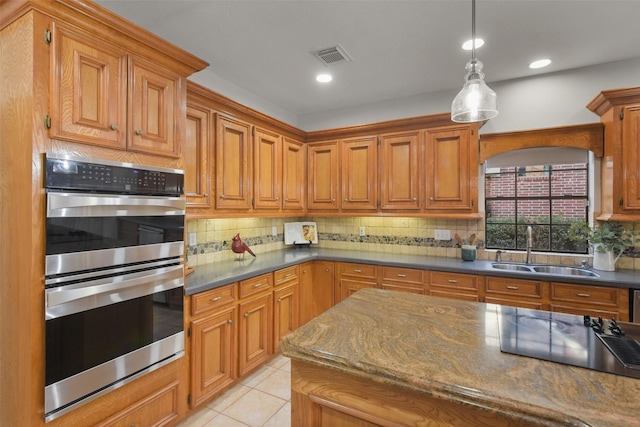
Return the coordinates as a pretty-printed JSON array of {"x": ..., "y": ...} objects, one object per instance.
[
  {"x": 450, "y": 349},
  {"x": 218, "y": 274}
]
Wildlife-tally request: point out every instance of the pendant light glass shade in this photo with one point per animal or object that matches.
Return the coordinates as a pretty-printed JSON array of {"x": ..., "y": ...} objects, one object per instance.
[{"x": 476, "y": 101}]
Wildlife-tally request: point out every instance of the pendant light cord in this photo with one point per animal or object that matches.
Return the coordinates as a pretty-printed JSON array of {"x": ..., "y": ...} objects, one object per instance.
[{"x": 473, "y": 33}]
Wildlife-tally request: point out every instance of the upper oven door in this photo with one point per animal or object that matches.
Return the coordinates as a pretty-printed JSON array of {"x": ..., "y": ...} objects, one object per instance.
[{"x": 92, "y": 231}]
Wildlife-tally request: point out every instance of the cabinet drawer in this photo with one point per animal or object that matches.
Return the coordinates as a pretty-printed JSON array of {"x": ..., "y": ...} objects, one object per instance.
[
  {"x": 285, "y": 275},
  {"x": 361, "y": 271},
  {"x": 592, "y": 295},
  {"x": 158, "y": 409},
  {"x": 506, "y": 286},
  {"x": 454, "y": 280},
  {"x": 213, "y": 299},
  {"x": 404, "y": 275},
  {"x": 255, "y": 285}
]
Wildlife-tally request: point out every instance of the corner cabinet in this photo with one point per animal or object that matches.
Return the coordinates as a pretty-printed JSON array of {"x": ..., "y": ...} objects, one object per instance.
[
  {"x": 451, "y": 169},
  {"x": 619, "y": 111},
  {"x": 104, "y": 95},
  {"x": 294, "y": 161}
]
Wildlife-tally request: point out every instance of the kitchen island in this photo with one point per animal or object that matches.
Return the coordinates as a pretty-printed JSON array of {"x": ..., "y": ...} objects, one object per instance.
[{"x": 389, "y": 358}]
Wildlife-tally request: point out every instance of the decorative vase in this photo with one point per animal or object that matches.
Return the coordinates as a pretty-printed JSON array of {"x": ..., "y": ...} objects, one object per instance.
[{"x": 605, "y": 261}]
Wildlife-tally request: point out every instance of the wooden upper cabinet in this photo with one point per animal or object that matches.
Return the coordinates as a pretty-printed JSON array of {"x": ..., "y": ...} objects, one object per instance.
[
  {"x": 359, "y": 173},
  {"x": 104, "y": 96},
  {"x": 197, "y": 163},
  {"x": 89, "y": 89},
  {"x": 293, "y": 174},
  {"x": 619, "y": 111},
  {"x": 451, "y": 169},
  {"x": 267, "y": 173},
  {"x": 233, "y": 155},
  {"x": 155, "y": 99},
  {"x": 323, "y": 172},
  {"x": 399, "y": 171}
]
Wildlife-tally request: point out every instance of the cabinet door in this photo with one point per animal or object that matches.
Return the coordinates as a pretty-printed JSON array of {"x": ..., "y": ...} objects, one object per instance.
[
  {"x": 630, "y": 159},
  {"x": 323, "y": 191},
  {"x": 213, "y": 355},
  {"x": 88, "y": 90},
  {"x": 197, "y": 164},
  {"x": 293, "y": 175},
  {"x": 155, "y": 114},
  {"x": 266, "y": 169},
  {"x": 359, "y": 173},
  {"x": 451, "y": 172},
  {"x": 285, "y": 312},
  {"x": 255, "y": 333},
  {"x": 232, "y": 164},
  {"x": 316, "y": 289},
  {"x": 399, "y": 171}
]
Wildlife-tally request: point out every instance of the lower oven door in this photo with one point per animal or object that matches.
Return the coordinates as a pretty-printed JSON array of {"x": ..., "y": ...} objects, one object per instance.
[{"x": 105, "y": 332}]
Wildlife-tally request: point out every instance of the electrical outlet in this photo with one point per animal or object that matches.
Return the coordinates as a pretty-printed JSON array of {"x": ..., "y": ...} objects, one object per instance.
[
  {"x": 442, "y": 235},
  {"x": 361, "y": 231},
  {"x": 193, "y": 239},
  {"x": 274, "y": 230}
]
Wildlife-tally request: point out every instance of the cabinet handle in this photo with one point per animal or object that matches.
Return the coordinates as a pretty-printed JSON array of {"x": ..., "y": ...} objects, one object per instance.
[
  {"x": 515, "y": 288},
  {"x": 257, "y": 285},
  {"x": 114, "y": 127},
  {"x": 584, "y": 295},
  {"x": 287, "y": 275},
  {"x": 138, "y": 132},
  {"x": 452, "y": 281},
  {"x": 230, "y": 321},
  {"x": 357, "y": 270},
  {"x": 218, "y": 298},
  {"x": 401, "y": 275},
  {"x": 246, "y": 315}
]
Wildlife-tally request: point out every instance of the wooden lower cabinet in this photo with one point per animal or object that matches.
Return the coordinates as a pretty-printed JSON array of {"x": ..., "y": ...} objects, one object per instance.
[
  {"x": 454, "y": 285},
  {"x": 316, "y": 289},
  {"x": 592, "y": 300},
  {"x": 515, "y": 292},
  {"x": 255, "y": 334},
  {"x": 286, "y": 303},
  {"x": 403, "y": 280},
  {"x": 157, "y": 409},
  {"x": 351, "y": 277}
]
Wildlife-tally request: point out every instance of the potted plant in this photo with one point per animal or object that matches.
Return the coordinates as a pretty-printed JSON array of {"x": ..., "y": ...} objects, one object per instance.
[{"x": 608, "y": 239}]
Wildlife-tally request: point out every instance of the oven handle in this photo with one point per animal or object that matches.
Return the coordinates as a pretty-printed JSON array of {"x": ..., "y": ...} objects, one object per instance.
[
  {"x": 61, "y": 205},
  {"x": 64, "y": 295}
]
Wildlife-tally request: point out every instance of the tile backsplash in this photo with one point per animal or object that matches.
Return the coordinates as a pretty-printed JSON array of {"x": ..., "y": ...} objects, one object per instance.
[{"x": 397, "y": 235}]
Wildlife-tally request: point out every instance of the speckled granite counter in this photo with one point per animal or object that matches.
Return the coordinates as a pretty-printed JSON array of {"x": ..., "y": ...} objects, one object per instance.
[
  {"x": 213, "y": 275},
  {"x": 449, "y": 350}
]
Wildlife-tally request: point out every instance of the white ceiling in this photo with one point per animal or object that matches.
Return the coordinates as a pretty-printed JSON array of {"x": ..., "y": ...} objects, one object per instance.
[{"x": 399, "y": 48}]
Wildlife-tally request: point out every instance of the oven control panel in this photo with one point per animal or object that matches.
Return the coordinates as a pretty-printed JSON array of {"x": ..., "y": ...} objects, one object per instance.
[{"x": 111, "y": 177}]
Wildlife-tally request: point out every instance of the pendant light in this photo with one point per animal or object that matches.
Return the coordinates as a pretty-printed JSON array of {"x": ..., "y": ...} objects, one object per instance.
[{"x": 476, "y": 101}]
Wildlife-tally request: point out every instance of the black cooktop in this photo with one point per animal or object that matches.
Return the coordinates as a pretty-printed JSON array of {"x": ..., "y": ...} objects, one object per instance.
[{"x": 570, "y": 339}]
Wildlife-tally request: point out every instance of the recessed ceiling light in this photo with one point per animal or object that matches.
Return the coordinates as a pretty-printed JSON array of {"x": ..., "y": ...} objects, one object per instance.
[
  {"x": 324, "y": 78},
  {"x": 467, "y": 45},
  {"x": 540, "y": 63}
]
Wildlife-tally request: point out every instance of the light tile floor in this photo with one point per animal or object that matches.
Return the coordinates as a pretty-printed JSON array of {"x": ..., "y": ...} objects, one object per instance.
[{"x": 260, "y": 400}]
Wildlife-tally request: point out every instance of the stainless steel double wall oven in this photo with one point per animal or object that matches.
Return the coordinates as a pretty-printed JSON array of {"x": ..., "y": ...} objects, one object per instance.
[{"x": 113, "y": 276}]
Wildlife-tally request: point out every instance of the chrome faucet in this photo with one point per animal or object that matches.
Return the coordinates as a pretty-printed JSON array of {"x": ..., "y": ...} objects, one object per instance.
[{"x": 529, "y": 244}]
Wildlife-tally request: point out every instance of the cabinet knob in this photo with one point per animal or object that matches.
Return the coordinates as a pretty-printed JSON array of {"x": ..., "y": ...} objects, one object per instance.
[
  {"x": 230, "y": 321},
  {"x": 326, "y": 270},
  {"x": 414, "y": 199},
  {"x": 286, "y": 199},
  {"x": 431, "y": 198},
  {"x": 246, "y": 315},
  {"x": 222, "y": 196},
  {"x": 333, "y": 200},
  {"x": 346, "y": 200},
  {"x": 138, "y": 132},
  {"x": 114, "y": 127},
  {"x": 277, "y": 199},
  {"x": 279, "y": 299},
  {"x": 205, "y": 195}
]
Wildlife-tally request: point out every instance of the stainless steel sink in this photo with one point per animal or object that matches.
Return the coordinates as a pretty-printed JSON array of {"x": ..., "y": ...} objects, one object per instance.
[
  {"x": 564, "y": 270},
  {"x": 559, "y": 270},
  {"x": 512, "y": 267}
]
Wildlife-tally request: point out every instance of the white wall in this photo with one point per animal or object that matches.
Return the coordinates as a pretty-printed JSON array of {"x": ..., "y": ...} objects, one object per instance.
[{"x": 541, "y": 101}]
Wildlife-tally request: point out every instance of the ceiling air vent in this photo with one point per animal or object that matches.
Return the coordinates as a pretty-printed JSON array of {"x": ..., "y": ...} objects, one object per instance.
[{"x": 332, "y": 55}]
